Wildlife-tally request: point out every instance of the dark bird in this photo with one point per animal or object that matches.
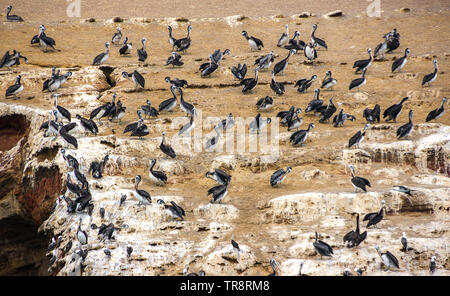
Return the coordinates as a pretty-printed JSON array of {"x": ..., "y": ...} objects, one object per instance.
[
  {"x": 100, "y": 112},
  {"x": 284, "y": 38},
  {"x": 186, "y": 128},
  {"x": 294, "y": 43},
  {"x": 219, "y": 176},
  {"x": 174, "y": 60},
  {"x": 258, "y": 124},
  {"x": 358, "y": 82},
  {"x": 282, "y": 65},
  {"x": 117, "y": 36},
  {"x": 212, "y": 143},
  {"x": 166, "y": 149},
  {"x": 354, "y": 238},
  {"x": 319, "y": 42},
  {"x": 142, "y": 53},
  {"x": 44, "y": 41},
  {"x": 376, "y": 217},
  {"x": 142, "y": 196},
  {"x": 358, "y": 182},
  {"x": 295, "y": 122},
  {"x": 277, "y": 87},
  {"x": 218, "y": 192},
  {"x": 82, "y": 235},
  {"x": 433, "y": 265},
  {"x": 173, "y": 210},
  {"x": 279, "y": 176},
  {"x": 136, "y": 77},
  {"x": 393, "y": 40},
  {"x": 372, "y": 115},
  {"x": 316, "y": 103},
  {"x": 219, "y": 55},
  {"x": 286, "y": 116},
  {"x": 227, "y": 123},
  {"x": 208, "y": 68},
  {"x": 123, "y": 198},
  {"x": 141, "y": 130},
  {"x": 96, "y": 168},
  {"x": 239, "y": 71},
  {"x": 405, "y": 130},
  {"x": 389, "y": 260},
  {"x": 158, "y": 177},
  {"x": 129, "y": 251},
  {"x": 9, "y": 60},
  {"x": 394, "y": 111},
  {"x": 15, "y": 89},
  {"x": 250, "y": 83},
  {"x": 68, "y": 247},
  {"x": 61, "y": 112},
  {"x": 436, "y": 113},
  {"x": 12, "y": 17},
  {"x": 381, "y": 48},
  {"x": 68, "y": 139},
  {"x": 322, "y": 247},
  {"x": 304, "y": 84},
  {"x": 398, "y": 64},
  {"x": 327, "y": 112},
  {"x": 88, "y": 125},
  {"x": 264, "y": 103},
  {"x": 357, "y": 138},
  {"x": 429, "y": 78},
  {"x": 184, "y": 43},
  {"x": 274, "y": 265},
  {"x": 101, "y": 58},
  {"x": 264, "y": 62},
  {"x": 403, "y": 189},
  {"x": 361, "y": 65},
  {"x": 126, "y": 47},
  {"x": 255, "y": 43},
  {"x": 176, "y": 82},
  {"x": 310, "y": 52},
  {"x": 299, "y": 137},
  {"x": 149, "y": 110},
  {"x": 71, "y": 161},
  {"x": 172, "y": 40},
  {"x": 340, "y": 119},
  {"x": 169, "y": 104},
  {"x": 102, "y": 213},
  {"x": 235, "y": 246},
  {"x": 347, "y": 272},
  {"x": 404, "y": 242},
  {"x": 328, "y": 81}
]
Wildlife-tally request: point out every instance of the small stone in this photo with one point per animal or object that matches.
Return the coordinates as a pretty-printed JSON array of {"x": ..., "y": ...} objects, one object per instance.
[
  {"x": 335, "y": 13},
  {"x": 90, "y": 20},
  {"x": 118, "y": 19},
  {"x": 304, "y": 14},
  {"x": 279, "y": 16},
  {"x": 182, "y": 19},
  {"x": 405, "y": 9},
  {"x": 241, "y": 18}
]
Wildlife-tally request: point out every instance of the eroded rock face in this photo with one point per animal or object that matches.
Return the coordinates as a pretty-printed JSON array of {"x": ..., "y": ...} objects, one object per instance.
[
  {"x": 267, "y": 222},
  {"x": 27, "y": 194}
]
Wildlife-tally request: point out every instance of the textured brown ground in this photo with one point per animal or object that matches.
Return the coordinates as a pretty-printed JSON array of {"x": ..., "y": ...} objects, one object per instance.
[{"x": 424, "y": 31}]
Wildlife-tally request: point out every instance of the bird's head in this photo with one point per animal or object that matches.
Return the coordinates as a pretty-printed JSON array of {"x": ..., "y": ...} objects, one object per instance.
[{"x": 137, "y": 179}]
